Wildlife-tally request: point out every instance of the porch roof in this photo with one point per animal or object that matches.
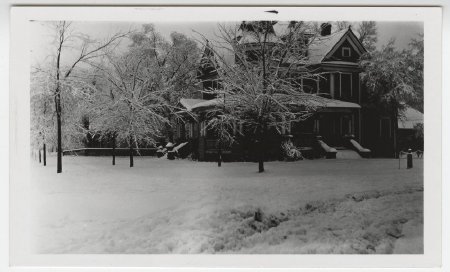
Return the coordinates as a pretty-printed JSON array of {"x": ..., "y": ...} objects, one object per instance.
[
  {"x": 339, "y": 104},
  {"x": 196, "y": 104},
  {"x": 207, "y": 103},
  {"x": 410, "y": 118},
  {"x": 189, "y": 103}
]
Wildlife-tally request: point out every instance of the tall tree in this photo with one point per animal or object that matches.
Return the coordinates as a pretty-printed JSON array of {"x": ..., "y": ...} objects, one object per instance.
[
  {"x": 175, "y": 63},
  {"x": 130, "y": 105},
  {"x": 63, "y": 71},
  {"x": 414, "y": 57},
  {"x": 262, "y": 88},
  {"x": 367, "y": 31},
  {"x": 391, "y": 81},
  {"x": 341, "y": 25},
  {"x": 41, "y": 108}
]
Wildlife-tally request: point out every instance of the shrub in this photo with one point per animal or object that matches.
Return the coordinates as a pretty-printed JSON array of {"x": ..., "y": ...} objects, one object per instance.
[{"x": 290, "y": 151}]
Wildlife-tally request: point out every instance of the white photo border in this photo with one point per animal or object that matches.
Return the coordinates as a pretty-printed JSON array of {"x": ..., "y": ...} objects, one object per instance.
[{"x": 20, "y": 252}]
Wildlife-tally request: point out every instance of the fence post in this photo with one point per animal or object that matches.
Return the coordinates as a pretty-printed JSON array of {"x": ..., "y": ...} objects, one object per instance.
[{"x": 409, "y": 159}]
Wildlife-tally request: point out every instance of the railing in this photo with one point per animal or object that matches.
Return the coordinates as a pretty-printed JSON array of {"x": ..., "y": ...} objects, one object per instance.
[
  {"x": 107, "y": 151},
  {"x": 363, "y": 152},
  {"x": 330, "y": 152}
]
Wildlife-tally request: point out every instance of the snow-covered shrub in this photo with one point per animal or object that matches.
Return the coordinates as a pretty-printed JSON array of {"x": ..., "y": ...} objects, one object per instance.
[{"x": 290, "y": 151}]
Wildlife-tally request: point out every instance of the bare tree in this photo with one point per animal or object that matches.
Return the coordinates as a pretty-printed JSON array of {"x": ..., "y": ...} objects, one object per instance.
[
  {"x": 341, "y": 25},
  {"x": 42, "y": 121},
  {"x": 65, "y": 37},
  {"x": 174, "y": 67},
  {"x": 367, "y": 31},
  {"x": 262, "y": 88},
  {"x": 129, "y": 106},
  {"x": 393, "y": 80}
]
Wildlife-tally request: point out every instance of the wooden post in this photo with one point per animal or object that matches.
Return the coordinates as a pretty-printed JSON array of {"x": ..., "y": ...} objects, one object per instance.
[
  {"x": 45, "y": 155},
  {"x": 114, "y": 150},
  {"x": 219, "y": 154}
]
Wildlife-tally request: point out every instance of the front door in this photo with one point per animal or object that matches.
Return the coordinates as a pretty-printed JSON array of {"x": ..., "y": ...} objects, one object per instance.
[{"x": 330, "y": 130}]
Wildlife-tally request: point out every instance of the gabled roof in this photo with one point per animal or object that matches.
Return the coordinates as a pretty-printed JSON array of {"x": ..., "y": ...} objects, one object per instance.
[
  {"x": 324, "y": 46},
  {"x": 410, "y": 118}
]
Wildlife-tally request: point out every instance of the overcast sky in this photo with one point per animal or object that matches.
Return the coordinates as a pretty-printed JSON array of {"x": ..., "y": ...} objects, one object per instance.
[{"x": 42, "y": 37}]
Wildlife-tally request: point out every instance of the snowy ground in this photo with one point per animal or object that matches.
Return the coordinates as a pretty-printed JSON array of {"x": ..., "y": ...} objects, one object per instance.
[{"x": 161, "y": 206}]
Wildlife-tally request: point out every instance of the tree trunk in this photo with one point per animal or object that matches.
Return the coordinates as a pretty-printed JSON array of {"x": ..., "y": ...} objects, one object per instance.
[
  {"x": 45, "y": 155},
  {"x": 58, "y": 125},
  {"x": 395, "y": 117},
  {"x": 261, "y": 151},
  {"x": 131, "y": 151},
  {"x": 114, "y": 151},
  {"x": 39, "y": 156},
  {"x": 261, "y": 158},
  {"x": 219, "y": 153}
]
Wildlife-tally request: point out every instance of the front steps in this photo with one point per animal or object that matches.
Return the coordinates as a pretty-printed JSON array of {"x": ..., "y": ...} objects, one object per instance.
[
  {"x": 347, "y": 154},
  {"x": 351, "y": 150}
]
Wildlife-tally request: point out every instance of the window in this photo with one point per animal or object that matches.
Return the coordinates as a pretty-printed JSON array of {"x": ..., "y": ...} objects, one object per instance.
[
  {"x": 186, "y": 130},
  {"x": 178, "y": 130},
  {"x": 309, "y": 85},
  {"x": 195, "y": 130},
  {"x": 285, "y": 127},
  {"x": 189, "y": 127},
  {"x": 316, "y": 128},
  {"x": 347, "y": 125},
  {"x": 346, "y": 85},
  {"x": 346, "y": 52},
  {"x": 385, "y": 128}
]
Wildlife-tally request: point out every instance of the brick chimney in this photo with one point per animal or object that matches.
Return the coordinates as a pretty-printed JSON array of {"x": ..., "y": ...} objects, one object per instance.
[{"x": 325, "y": 29}]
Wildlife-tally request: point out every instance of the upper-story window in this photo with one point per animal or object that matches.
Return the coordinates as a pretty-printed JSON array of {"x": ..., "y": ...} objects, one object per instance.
[
  {"x": 341, "y": 85},
  {"x": 346, "y": 52}
]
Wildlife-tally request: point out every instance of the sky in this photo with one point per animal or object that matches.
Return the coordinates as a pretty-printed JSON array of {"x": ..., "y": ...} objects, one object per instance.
[{"x": 41, "y": 38}]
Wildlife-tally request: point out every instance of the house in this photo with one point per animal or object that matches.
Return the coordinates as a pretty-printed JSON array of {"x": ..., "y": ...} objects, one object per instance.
[
  {"x": 410, "y": 130},
  {"x": 341, "y": 126}
]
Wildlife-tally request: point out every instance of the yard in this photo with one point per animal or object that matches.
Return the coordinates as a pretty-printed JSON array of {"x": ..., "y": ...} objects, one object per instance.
[{"x": 160, "y": 206}]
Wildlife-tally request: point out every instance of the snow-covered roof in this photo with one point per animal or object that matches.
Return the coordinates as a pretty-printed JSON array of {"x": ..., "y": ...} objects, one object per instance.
[
  {"x": 320, "y": 47},
  {"x": 410, "y": 118},
  {"x": 323, "y": 45},
  {"x": 334, "y": 103},
  {"x": 193, "y": 104},
  {"x": 188, "y": 103},
  {"x": 207, "y": 103},
  {"x": 196, "y": 104},
  {"x": 348, "y": 63}
]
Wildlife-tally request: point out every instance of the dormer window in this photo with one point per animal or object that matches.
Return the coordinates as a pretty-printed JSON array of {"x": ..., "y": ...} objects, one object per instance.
[{"x": 346, "y": 52}]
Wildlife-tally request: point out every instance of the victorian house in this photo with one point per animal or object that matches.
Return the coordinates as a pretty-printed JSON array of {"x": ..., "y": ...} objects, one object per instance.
[{"x": 344, "y": 127}]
